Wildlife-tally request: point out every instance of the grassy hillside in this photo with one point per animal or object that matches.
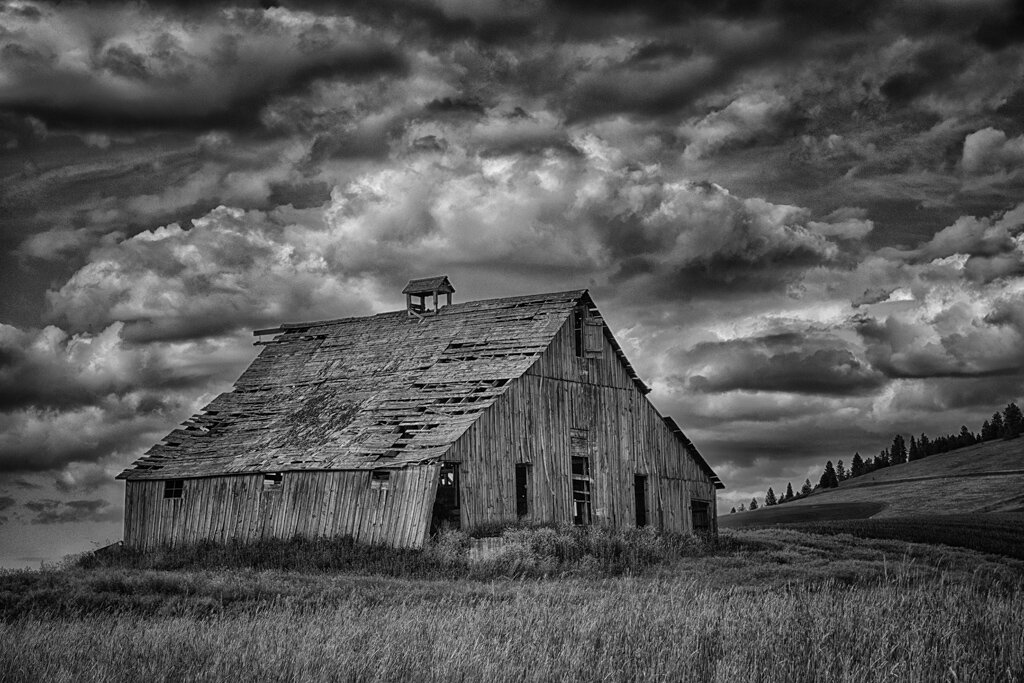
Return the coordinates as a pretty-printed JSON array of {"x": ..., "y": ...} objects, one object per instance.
[
  {"x": 762, "y": 605},
  {"x": 983, "y": 478}
]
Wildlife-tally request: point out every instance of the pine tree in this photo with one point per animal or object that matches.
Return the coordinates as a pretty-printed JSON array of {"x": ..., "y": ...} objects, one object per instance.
[
  {"x": 857, "y": 465},
  {"x": 828, "y": 477},
  {"x": 1013, "y": 421},
  {"x": 732, "y": 512},
  {"x": 882, "y": 459},
  {"x": 925, "y": 445},
  {"x": 806, "y": 489},
  {"x": 789, "y": 492},
  {"x": 841, "y": 474},
  {"x": 743, "y": 508},
  {"x": 997, "y": 424},
  {"x": 753, "y": 503},
  {"x": 899, "y": 450},
  {"x": 913, "y": 453},
  {"x": 965, "y": 438},
  {"x": 769, "y": 498},
  {"x": 986, "y": 431}
]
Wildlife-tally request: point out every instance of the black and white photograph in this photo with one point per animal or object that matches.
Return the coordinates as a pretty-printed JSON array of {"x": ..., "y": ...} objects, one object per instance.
[{"x": 526, "y": 340}]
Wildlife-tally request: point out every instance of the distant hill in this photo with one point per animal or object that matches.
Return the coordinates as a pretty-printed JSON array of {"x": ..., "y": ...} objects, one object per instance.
[{"x": 985, "y": 477}]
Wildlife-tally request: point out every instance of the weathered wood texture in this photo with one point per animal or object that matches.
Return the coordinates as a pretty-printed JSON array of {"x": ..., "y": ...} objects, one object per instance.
[
  {"x": 307, "y": 504},
  {"x": 345, "y": 394},
  {"x": 595, "y": 403}
]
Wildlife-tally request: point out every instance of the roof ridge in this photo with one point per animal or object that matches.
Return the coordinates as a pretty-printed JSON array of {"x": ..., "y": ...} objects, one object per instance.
[{"x": 572, "y": 293}]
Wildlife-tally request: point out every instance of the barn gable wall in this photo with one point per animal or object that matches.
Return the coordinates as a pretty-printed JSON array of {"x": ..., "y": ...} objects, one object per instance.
[
  {"x": 535, "y": 421},
  {"x": 308, "y": 504}
]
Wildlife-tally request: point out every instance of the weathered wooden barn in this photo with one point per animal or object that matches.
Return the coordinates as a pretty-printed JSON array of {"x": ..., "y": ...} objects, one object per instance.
[{"x": 383, "y": 427}]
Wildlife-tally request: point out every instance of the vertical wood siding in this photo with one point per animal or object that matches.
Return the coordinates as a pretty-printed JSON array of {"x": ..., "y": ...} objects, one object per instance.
[
  {"x": 534, "y": 422},
  {"x": 314, "y": 504}
]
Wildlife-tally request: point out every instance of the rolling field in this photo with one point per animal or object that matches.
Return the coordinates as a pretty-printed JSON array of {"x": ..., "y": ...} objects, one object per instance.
[
  {"x": 986, "y": 477},
  {"x": 970, "y": 498},
  {"x": 978, "y": 479},
  {"x": 761, "y": 605}
]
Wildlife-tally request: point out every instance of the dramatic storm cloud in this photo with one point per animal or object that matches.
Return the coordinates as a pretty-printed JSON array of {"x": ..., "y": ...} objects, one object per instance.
[{"x": 803, "y": 220}]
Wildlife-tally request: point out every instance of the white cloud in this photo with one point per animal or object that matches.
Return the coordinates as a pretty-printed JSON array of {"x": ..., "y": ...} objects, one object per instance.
[{"x": 989, "y": 150}]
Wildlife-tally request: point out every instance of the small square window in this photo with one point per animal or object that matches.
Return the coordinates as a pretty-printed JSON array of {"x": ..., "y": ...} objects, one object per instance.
[
  {"x": 272, "y": 481},
  {"x": 380, "y": 479},
  {"x": 580, "y": 466},
  {"x": 174, "y": 488}
]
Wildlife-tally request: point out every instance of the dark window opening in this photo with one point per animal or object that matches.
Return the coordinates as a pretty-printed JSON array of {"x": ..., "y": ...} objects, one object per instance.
[
  {"x": 580, "y": 466},
  {"x": 581, "y": 514},
  {"x": 380, "y": 479},
  {"x": 174, "y": 488},
  {"x": 272, "y": 481},
  {"x": 640, "y": 491},
  {"x": 701, "y": 516},
  {"x": 523, "y": 485},
  {"x": 579, "y": 318},
  {"x": 447, "y": 501}
]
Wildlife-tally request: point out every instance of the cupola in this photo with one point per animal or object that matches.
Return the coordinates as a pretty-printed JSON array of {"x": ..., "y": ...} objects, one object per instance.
[{"x": 421, "y": 295}]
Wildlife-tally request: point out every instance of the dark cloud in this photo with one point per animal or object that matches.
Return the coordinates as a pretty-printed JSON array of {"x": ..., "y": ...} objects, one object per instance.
[
  {"x": 456, "y": 106},
  {"x": 75, "y": 104},
  {"x": 845, "y": 16},
  {"x": 234, "y": 64},
  {"x": 789, "y": 363},
  {"x": 930, "y": 68},
  {"x": 1002, "y": 29},
  {"x": 6, "y": 502},
  {"x": 49, "y": 511}
]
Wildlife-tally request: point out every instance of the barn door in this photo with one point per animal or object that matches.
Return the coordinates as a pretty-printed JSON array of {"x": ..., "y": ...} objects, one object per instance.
[
  {"x": 640, "y": 496},
  {"x": 447, "y": 513}
]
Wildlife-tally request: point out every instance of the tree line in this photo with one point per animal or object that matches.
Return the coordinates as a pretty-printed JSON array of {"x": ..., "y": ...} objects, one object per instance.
[{"x": 1008, "y": 424}]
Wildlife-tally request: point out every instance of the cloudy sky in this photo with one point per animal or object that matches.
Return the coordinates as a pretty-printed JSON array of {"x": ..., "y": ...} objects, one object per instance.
[{"x": 803, "y": 220}]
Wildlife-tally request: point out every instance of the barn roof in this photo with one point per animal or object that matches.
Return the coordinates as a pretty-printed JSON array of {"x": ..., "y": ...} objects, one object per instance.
[
  {"x": 382, "y": 391},
  {"x": 694, "y": 453}
]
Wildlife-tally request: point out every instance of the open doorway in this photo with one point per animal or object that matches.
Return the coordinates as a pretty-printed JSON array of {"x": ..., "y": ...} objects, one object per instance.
[
  {"x": 640, "y": 495},
  {"x": 701, "y": 516},
  {"x": 447, "y": 512}
]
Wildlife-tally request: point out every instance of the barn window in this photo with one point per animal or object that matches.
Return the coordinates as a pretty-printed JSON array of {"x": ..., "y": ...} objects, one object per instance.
[
  {"x": 579, "y": 318},
  {"x": 446, "y": 513},
  {"x": 380, "y": 479},
  {"x": 524, "y": 476},
  {"x": 173, "y": 488},
  {"x": 448, "y": 485},
  {"x": 581, "y": 502},
  {"x": 580, "y": 466},
  {"x": 272, "y": 481},
  {"x": 701, "y": 516},
  {"x": 581, "y": 510},
  {"x": 588, "y": 333}
]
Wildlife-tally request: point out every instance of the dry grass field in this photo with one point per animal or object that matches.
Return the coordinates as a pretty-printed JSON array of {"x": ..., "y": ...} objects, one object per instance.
[{"x": 759, "y": 605}]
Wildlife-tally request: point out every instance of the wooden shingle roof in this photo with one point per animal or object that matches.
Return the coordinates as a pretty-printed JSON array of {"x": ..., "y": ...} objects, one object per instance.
[
  {"x": 383, "y": 391},
  {"x": 438, "y": 283}
]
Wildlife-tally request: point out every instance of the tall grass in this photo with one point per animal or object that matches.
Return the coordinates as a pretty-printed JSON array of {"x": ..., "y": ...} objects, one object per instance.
[
  {"x": 766, "y": 605},
  {"x": 628, "y": 628},
  {"x": 526, "y": 551}
]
